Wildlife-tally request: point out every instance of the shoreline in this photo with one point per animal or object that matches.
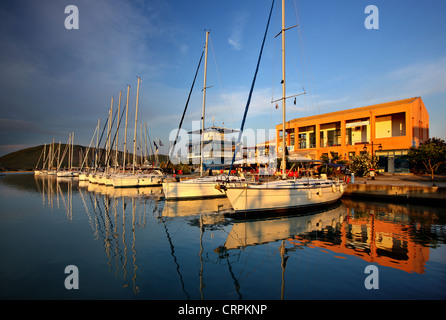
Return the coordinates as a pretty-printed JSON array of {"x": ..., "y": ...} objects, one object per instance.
[
  {"x": 406, "y": 188},
  {"x": 400, "y": 188}
]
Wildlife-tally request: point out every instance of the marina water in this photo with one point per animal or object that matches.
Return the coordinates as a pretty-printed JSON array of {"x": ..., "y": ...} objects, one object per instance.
[{"x": 132, "y": 244}]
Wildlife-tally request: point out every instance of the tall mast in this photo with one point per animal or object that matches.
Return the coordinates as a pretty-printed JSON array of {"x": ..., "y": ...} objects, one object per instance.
[
  {"x": 72, "y": 151},
  {"x": 69, "y": 151},
  {"x": 44, "y": 158},
  {"x": 204, "y": 103},
  {"x": 97, "y": 147},
  {"x": 125, "y": 132},
  {"x": 117, "y": 130},
  {"x": 283, "y": 95},
  {"x": 136, "y": 121},
  {"x": 109, "y": 136}
]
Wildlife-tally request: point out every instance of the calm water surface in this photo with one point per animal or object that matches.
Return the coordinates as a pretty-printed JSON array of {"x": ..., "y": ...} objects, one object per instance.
[{"x": 131, "y": 244}]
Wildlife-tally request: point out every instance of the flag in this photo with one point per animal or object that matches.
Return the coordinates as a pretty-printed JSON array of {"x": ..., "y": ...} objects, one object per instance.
[
  {"x": 160, "y": 143},
  {"x": 155, "y": 144}
]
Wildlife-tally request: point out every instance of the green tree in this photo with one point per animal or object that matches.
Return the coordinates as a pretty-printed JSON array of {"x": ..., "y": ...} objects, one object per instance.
[
  {"x": 360, "y": 165},
  {"x": 429, "y": 157}
]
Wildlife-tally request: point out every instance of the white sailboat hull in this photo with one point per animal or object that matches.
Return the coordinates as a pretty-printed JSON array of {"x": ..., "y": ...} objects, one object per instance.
[
  {"x": 147, "y": 180},
  {"x": 198, "y": 188},
  {"x": 178, "y": 190},
  {"x": 83, "y": 176},
  {"x": 67, "y": 174},
  {"x": 93, "y": 178},
  {"x": 125, "y": 180},
  {"x": 282, "y": 196},
  {"x": 137, "y": 180},
  {"x": 100, "y": 179}
]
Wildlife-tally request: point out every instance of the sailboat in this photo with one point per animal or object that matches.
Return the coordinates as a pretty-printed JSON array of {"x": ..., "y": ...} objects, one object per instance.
[
  {"x": 132, "y": 179},
  {"x": 203, "y": 186},
  {"x": 41, "y": 171},
  {"x": 284, "y": 194},
  {"x": 68, "y": 173}
]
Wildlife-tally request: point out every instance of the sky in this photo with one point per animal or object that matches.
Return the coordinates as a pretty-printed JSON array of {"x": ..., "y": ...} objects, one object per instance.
[{"x": 55, "y": 80}]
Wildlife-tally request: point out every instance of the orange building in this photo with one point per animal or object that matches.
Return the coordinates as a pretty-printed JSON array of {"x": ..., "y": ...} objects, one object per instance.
[{"x": 386, "y": 130}]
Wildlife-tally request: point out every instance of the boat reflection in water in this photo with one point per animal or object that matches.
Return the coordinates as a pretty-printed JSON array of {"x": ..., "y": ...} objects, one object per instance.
[
  {"x": 200, "y": 249},
  {"x": 115, "y": 215},
  {"x": 254, "y": 232},
  {"x": 196, "y": 207}
]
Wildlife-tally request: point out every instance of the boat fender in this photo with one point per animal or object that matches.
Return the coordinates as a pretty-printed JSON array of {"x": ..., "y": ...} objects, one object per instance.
[
  {"x": 309, "y": 194},
  {"x": 319, "y": 192},
  {"x": 333, "y": 187},
  {"x": 341, "y": 188}
]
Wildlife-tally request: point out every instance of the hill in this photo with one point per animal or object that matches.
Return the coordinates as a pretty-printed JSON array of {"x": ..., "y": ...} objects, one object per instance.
[{"x": 27, "y": 159}]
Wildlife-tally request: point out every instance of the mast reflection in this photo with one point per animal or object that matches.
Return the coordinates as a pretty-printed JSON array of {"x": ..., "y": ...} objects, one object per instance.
[
  {"x": 204, "y": 214},
  {"x": 114, "y": 216}
]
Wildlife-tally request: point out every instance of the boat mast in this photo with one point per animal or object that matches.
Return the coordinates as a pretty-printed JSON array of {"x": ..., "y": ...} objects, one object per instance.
[
  {"x": 72, "y": 151},
  {"x": 283, "y": 94},
  {"x": 204, "y": 103},
  {"x": 136, "y": 121},
  {"x": 117, "y": 131},
  {"x": 44, "y": 157},
  {"x": 109, "y": 146},
  {"x": 97, "y": 147},
  {"x": 125, "y": 132}
]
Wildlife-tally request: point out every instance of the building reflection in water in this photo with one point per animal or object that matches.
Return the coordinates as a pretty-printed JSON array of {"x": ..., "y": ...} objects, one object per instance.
[{"x": 385, "y": 234}]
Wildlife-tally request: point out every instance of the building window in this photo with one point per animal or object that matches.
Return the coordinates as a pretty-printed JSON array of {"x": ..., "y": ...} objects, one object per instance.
[
  {"x": 392, "y": 125},
  {"x": 312, "y": 140},
  {"x": 307, "y": 138},
  {"x": 331, "y": 134},
  {"x": 302, "y": 140},
  {"x": 357, "y": 131}
]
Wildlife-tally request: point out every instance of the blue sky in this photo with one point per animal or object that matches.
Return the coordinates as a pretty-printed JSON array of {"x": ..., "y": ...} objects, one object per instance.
[{"x": 54, "y": 81}]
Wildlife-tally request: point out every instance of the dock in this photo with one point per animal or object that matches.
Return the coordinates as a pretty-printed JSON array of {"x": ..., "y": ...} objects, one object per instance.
[{"x": 407, "y": 188}]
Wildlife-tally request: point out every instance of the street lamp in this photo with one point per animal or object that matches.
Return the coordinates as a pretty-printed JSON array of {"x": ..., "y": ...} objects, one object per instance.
[
  {"x": 372, "y": 172},
  {"x": 380, "y": 147}
]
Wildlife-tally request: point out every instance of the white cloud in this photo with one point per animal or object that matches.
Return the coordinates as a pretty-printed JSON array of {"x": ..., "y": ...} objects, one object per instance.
[
  {"x": 420, "y": 79},
  {"x": 236, "y": 37}
]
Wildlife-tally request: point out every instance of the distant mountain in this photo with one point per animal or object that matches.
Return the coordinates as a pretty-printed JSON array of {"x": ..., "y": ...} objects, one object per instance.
[{"x": 27, "y": 159}]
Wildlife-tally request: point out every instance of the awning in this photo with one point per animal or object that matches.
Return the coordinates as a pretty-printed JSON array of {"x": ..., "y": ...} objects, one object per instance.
[{"x": 296, "y": 158}]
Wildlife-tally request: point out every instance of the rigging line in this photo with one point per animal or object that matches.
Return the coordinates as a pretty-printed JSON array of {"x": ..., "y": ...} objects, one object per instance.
[
  {"x": 150, "y": 144},
  {"x": 187, "y": 102},
  {"x": 302, "y": 56},
  {"x": 311, "y": 78},
  {"x": 218, "y": 73},
  {"x": 109, "y": 134},
  {"x": 98, "y": 148},
  {"x": 215, "y": 62},
  {"x": 250, "y": 92}
]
